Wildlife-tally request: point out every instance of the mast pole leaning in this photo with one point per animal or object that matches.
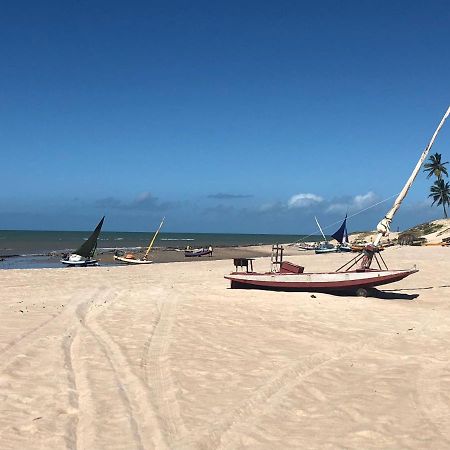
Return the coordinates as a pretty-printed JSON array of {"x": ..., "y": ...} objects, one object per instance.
[
  {"x": 385, "y": 223},
  {"x": 153, "y": 239},
  {"x": 320, "y": 228}
]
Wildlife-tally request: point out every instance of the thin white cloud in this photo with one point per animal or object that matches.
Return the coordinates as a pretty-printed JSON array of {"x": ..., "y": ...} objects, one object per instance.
[
  {"x": 274, "y": 206},
  {"x": 356, "y": 203},
  {"x": 304, "y": 200},
  {"x": 362, "y": 201}
]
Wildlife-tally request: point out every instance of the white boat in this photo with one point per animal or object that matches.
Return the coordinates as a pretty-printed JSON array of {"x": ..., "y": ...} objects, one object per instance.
[
  {"x": 84, "y": 255},
  {"x": 288, "y": 276},
  {"x": 78, "y": 261},
  {"x": 325, "y": 246},
  {"x": 130, "y": 258}
]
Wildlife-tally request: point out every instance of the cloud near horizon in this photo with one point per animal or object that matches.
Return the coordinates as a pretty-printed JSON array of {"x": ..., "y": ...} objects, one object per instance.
[
  {"x": 303, "y": 200},
  {"x": 224, "y": 196},
  {"x": 144, "y": 201},
  {"x": 356, "y": 203}
]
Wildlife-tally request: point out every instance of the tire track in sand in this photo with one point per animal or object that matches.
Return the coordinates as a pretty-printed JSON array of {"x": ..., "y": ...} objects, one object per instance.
[
  {"x": 268, "y": 396},
  {"x": 63, "y": 326},
  {"x": 431, "y": 394},
  {"x": 8, "y": 353},
  {"x": 265, "y": 398},
  {"x": 82, "y": 404},
  {"x": 155, "y": 366},
  {"x": 133, "y": 393},
  {"x": 271, "y": 393},
  {"x": 434, "y": 408}
]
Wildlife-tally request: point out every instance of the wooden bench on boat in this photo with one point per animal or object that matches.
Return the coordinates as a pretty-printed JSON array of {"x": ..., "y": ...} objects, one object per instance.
[{"x": 243, "y": 262}]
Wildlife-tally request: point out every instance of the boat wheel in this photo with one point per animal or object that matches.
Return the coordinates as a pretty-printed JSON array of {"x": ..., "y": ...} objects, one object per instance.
[{"x": 361, "y": 292}]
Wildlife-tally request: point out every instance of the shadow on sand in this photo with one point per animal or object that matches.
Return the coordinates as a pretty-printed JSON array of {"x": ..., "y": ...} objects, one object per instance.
[
  {"x": 370, "y": 292},
  {"x": 375, "y": 293}
]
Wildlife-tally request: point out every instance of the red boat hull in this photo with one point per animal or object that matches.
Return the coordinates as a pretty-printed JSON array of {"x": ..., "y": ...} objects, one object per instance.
[{"x": 316, "y": 282}]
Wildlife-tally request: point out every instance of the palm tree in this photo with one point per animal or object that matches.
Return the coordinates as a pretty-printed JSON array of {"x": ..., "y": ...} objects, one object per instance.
[
  {"x": 434, "y": 166},
  {"x": 440, "y": 192}
]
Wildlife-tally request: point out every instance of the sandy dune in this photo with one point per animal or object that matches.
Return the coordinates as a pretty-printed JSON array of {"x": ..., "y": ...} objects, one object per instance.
[{"x": 168, "y": 357}]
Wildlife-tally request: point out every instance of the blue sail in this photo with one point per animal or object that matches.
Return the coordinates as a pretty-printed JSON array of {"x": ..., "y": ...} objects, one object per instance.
[{"x": 341, "y": 235}]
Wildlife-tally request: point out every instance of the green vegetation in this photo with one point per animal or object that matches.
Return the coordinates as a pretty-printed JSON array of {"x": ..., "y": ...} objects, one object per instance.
[
  {"x": 440, "y": 189},
  {"x": 435, "y": 166},
  {"x": 440, "y": 192},
  {"x": 424, "y": 229},
  {"x": 410, "y": 238}
]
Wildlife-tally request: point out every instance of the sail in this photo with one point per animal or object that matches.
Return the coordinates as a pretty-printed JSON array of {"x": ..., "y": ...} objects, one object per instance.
[
  {"x": 341, "y": 235},
  {"x": 88, "y": 248}
]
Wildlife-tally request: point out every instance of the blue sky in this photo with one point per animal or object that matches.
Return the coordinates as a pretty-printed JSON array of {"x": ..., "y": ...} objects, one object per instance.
[{"x": 222, "y": 116}]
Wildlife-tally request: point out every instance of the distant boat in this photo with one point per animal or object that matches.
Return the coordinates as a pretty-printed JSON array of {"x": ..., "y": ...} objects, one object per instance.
[
  {"x": 84, "y": 255},
  {"x": 130, "y": 258},
  {"x": 198, "y": 252},
  {"x": 304, "y": 246},
  {"x": 341, "y": 235},
  {"x": 324, "y": 247}
]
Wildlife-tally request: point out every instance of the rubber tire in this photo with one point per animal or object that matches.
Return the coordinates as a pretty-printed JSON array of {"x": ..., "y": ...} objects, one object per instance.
[{"x": 361, "y": 292}]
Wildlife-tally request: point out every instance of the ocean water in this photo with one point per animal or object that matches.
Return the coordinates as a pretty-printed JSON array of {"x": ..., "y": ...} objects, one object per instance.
[{"x": 27, "y": 243}]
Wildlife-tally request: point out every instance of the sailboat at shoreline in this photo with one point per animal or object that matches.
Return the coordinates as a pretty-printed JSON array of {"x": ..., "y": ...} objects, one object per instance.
[
  {"x": 291, "y": 277},
  {"x": 84, "y": 255},
  {"x": 341, "y": 235},
  {"x": 325, "y": 246},
  {"x": 130, "y": 258}
]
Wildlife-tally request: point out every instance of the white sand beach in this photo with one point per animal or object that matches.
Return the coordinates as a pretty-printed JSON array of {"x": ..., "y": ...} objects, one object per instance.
[{"x": 168, "y": 357}]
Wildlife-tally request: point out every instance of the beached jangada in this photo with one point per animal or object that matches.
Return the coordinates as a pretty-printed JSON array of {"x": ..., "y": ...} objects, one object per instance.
[
  {"x": 288, "y": 276},
  {"x": 84, "y": 255},
  {"x": 130, "y": 258}
]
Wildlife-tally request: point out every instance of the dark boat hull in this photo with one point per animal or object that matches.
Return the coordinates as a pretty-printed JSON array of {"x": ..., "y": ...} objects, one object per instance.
[{"x": 198, "y": 253}]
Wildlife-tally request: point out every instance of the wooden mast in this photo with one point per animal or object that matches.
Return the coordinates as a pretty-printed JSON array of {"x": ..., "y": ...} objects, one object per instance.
[
  {"x": 153, "y": 239},
  {"x": 383, "y": 226},
  {"x": 320, "y": 228}
]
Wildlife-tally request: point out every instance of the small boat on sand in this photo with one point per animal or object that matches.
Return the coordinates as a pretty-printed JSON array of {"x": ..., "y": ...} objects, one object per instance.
[
  {"x": 292, "y": 278},
  {"x": 84, "y": 255},
  {"x": 325, "y": 246},
  {"x": 130, "y": 258},
  {"x": 305, "y": 246},
  {"x": 341, "y": 235},
  {"x": 198, "y": 252}
]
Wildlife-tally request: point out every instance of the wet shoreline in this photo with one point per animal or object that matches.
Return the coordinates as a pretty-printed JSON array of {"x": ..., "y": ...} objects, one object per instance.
[{"x": 157, "y": 255}]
